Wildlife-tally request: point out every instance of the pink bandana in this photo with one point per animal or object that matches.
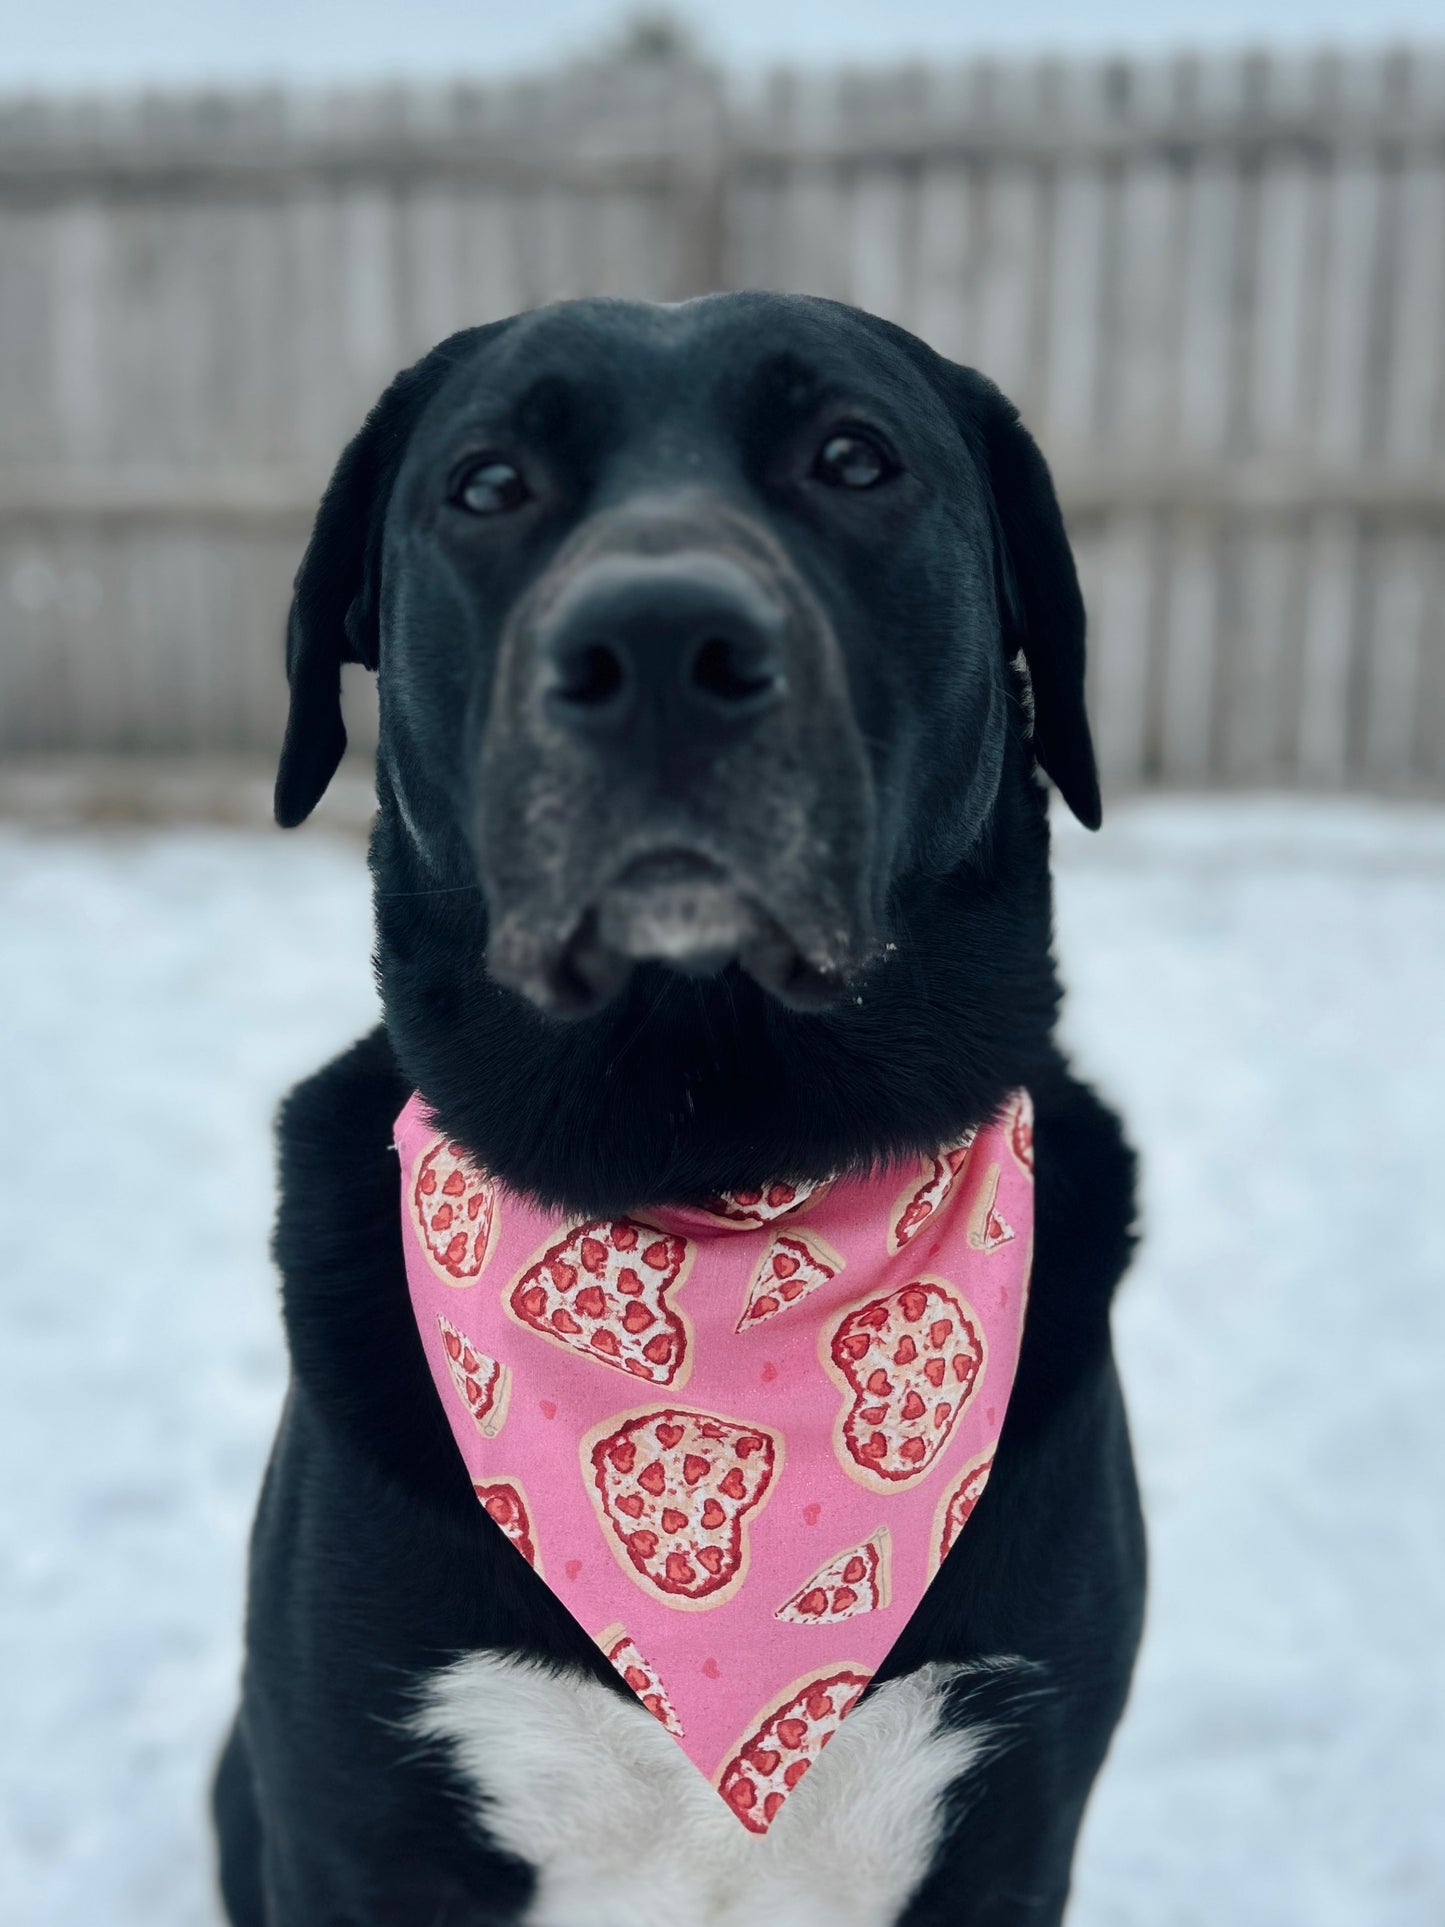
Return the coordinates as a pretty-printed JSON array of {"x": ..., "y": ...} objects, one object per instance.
[{"x": 735, "y": 1442}]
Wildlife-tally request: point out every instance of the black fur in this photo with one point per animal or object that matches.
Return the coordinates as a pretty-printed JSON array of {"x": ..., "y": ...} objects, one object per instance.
[{"x": 371, "y": 1562}]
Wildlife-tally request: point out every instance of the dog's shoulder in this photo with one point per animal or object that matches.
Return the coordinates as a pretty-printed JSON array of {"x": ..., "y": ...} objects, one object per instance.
[
  {"x": 355, "y": 1351},
  {"x": 337, "y": 1165},
  {"x": 1085, "y": 1173},
  {"x": 359, "y": 1093}
]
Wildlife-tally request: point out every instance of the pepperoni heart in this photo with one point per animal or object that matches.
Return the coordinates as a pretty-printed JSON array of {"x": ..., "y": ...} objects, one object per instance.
[
  {"x": 893, "y": 1423},
  {"x": 584, "y": 1292},
  {"x": 690, "y": 1507}
]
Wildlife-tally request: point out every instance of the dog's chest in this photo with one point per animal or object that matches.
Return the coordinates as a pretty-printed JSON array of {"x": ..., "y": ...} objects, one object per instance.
[{"x": 623, "y": 1831}]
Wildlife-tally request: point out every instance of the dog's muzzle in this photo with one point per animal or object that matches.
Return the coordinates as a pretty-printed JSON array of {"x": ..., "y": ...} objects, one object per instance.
[{"x": 671, "y": 773}]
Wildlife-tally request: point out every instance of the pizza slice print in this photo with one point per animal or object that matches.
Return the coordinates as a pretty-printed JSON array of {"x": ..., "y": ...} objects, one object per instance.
[
  {"x": 987, "y": 1229},
  {"x": 785, "y": 1740},
  {"x": 925, "y": 1194},
  {"x": 763, "y": 1204},
  {"x": 505, "y": 1504},
  {"x": 673, "y": 1490},
  {"x": 484, "y": 1385},
  {"x": 908, "y": 1364},
  {"x": 601, "y": 1290},
  {"x": 855, "y": 1580},
  {"x": 956, "y": 1506},
  {"x": 456, "y": 1212},
  {"x": 795, "y": 1263},
  {"x": 621, "y": 1650}
]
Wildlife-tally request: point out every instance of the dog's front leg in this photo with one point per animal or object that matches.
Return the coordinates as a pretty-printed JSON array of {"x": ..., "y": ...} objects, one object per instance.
[
  {"x": 1013, "y": 1816},
  {"x": 293, "y": 1873},
  {"x": 329, "y": 1810}
]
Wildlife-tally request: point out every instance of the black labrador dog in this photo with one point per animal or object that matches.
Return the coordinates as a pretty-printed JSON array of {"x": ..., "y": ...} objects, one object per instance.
[{"x": 720, "y": 647}]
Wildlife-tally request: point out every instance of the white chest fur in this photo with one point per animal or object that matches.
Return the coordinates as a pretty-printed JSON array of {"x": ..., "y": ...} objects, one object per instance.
[{"x": 623, "y": 1831}]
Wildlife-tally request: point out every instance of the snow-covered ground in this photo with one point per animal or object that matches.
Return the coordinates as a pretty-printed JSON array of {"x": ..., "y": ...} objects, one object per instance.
[{"x": 1258, "y": 984}]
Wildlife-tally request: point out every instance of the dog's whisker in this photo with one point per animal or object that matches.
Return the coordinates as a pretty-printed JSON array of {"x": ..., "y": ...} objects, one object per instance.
[
  {"x": 440, "y": 890},
  {"x": 633, "y": 1035},
  {"x": 699, "y": 997}
]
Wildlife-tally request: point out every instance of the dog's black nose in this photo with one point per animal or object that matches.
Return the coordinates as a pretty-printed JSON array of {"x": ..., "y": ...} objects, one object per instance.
[{"x": 690, "y": 642}]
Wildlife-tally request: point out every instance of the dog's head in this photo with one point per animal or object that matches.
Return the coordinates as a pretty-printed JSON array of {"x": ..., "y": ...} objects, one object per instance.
[{"x": 702, "y": 633}]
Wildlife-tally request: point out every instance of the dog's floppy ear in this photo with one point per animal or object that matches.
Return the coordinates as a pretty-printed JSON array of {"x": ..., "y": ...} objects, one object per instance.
[
  {"x": 1043, "y": 606},
  {"x": 335, "y": 614}
]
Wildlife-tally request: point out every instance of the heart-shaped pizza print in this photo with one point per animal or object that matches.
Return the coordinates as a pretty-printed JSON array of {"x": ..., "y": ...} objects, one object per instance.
[
  {"x": 505, "y": 1504},
  {"x": 934, "y": 1183},
  {"x": 484, "y": 1385},
  {"x": 785, "y": 1740},
  {"x": 795, "y": 1263},
  {"x": 602, "y": 1291},
  {"x": 907, "y": 1363},
  {"x": 673, "y": 1489},
  {"x": 456, "y": 1211},
  {"x": 955, "y": 1507},
  {"x": 855, "y": 1580},
  {"x": 755, "y": 1205},
  {"x": 623, "y": 1653}
]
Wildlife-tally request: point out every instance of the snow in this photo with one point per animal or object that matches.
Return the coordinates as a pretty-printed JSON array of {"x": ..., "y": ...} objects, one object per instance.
[{"x": 1256, "y": 982}]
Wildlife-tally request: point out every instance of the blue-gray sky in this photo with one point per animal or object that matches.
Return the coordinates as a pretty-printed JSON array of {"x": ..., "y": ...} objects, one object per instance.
[{"x": 81, "y": 44}]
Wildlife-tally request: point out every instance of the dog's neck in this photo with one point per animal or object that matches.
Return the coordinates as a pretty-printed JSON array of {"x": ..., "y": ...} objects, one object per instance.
[{"x": 679, "y": 1090}]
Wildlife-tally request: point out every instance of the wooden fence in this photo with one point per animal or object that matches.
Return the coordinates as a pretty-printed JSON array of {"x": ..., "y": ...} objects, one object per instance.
[{"x": 1215, "y": 286}]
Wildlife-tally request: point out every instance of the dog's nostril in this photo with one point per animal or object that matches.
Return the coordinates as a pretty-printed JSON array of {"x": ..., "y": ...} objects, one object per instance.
[
  {"x": 727, "y": 673},
  {"x": 591, "y": 677}
]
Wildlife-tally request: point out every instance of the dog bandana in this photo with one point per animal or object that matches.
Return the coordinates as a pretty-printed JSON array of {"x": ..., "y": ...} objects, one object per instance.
[{"x": 738, "y": 1442}]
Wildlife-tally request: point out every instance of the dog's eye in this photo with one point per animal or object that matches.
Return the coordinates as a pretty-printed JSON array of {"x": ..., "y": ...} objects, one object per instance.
[
  {"x": 853, "y": 461},
  {"x": 493, "y": 487}
]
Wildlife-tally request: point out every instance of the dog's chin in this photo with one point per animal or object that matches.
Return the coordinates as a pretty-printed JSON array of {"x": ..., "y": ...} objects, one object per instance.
[{"x": 682, "y": 911}]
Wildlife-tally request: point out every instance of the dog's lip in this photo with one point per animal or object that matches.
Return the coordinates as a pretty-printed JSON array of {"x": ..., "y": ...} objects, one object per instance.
[
  {"x": 685, "y": 909},
  {"x": 675, "y": 906},
  {"x": 671, "y": 865}
]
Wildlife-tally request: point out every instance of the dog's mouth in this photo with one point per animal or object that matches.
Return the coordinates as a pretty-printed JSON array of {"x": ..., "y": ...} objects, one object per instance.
[{"x": 687, "y": 912}]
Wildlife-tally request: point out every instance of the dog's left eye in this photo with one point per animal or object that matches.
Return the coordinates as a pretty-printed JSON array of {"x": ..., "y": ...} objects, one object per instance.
[
  {"x": 492, "y": 487},
  {"x": 853, "y": 461}
]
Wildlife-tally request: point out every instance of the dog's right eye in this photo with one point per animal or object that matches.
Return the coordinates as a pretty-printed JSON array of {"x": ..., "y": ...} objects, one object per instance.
[
  {"x": 491, "y": 487},
  {"x": 851, "y": 459}
]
